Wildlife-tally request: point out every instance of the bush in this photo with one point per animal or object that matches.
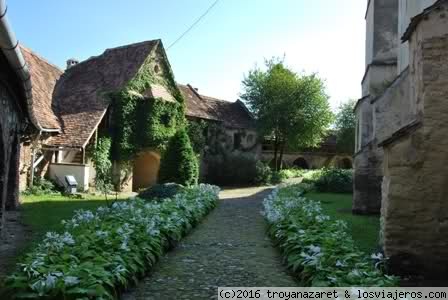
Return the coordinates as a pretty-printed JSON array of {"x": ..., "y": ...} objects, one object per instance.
[
  {"x": 103, "y": 252},
  {"x": 291, "y": 173},
  {"x": 161, "y": 191},
  {"x": 42, "y": 186},
  {"x": 232, "y": 169},
  {"x": 334, "y": 181},
  {"x": 319, "y": 249},
  {"x": 179, "y": 163},
  {"x": 263, "y": 173}
]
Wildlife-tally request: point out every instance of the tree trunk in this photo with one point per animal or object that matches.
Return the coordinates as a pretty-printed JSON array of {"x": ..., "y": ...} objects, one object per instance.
[
  {"x": 282, "y": 149},
  {"x": 275, "y": 152}
]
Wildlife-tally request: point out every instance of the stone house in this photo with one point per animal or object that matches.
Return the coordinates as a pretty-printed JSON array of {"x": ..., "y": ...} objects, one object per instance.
[
  {"x": 76, "y": 106},
  {"x": 230, "y": 127},
  {"x": 15, "y": 118},
  {"x": 401, "y": 138}
]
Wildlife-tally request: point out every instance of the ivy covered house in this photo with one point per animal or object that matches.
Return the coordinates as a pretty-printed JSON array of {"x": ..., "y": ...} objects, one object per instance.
[
  {"x": 219, "y": 130},
  {"x": 127, "y": 93}
]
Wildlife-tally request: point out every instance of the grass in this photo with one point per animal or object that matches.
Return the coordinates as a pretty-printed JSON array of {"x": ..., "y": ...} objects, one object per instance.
[
  {"x": 45, "y": 213},
  {"x": 364, "y": 229}
]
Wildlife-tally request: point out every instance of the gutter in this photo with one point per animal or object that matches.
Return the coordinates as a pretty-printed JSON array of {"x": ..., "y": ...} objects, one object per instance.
[{"x": 10, "y": 48}]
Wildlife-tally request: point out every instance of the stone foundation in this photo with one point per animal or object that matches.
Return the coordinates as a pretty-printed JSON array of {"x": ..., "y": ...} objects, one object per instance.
[{"x": 367, "y": 180}]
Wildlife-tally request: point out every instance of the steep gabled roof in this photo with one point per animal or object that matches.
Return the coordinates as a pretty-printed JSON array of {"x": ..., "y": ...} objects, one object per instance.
[
  {"x": 78, "y": 99},
  {"x": 44, "y": 76},
  {"x": 231, "y": 114}
]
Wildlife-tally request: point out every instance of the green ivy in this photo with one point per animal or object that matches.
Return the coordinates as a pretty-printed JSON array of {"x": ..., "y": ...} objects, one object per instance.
[
  {"x": 141, "y": 122},
  {"x": 197, "y": 133}
]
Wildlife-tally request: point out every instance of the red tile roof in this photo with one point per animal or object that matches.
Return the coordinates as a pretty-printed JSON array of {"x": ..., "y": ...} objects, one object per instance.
[
  {"x": 79, "y": 98},
  {"x": 44, "y": 76},
  {"x": 231, "y": 114}
]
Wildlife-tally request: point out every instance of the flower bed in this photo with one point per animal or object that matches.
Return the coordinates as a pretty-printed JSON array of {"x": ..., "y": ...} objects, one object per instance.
[
  {"x": 317, "y": 248},
  {"x": 102, "y": 252}
]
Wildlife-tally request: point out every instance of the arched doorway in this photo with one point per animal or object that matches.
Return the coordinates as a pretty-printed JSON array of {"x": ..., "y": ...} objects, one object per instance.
[
  {"x": 145, "y": 170},
  {"x": 301, "y": 163},
  {"x": 345, "y": 163}
]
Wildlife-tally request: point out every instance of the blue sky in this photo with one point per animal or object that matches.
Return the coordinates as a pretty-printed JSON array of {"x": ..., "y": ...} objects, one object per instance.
[{"x": 324, "y": 36}]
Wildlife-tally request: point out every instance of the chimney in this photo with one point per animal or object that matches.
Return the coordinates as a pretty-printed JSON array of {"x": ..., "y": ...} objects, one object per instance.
[{"x": 71, "y": 62}]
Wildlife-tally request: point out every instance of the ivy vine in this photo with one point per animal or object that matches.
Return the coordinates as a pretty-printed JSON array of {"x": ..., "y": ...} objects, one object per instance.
[{"x": 140, "y": 122}]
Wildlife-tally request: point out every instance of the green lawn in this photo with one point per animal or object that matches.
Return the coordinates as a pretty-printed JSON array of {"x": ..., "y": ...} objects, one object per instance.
[
  {"x": 45, "y": 213},
  {"x": 364, "y": 229}
]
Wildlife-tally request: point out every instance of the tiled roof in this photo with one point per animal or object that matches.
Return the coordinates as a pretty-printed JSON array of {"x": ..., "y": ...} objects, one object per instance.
[
  {"x": 232, "y": 114},
  {"x": 43, "y": 78},
  {"x": 79, "y": 95}
]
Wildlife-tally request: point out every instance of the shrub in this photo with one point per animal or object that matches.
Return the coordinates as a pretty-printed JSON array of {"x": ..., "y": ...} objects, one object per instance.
[
  {"x": 161, "y": 191},
  {"x": 232, "y": 169},
  {"x": 291, "y": 173},
  {"x": 42, "y": 186},
  {"x": 263, "y": 173},
  {"x": 179, "y": 163},
  {"x": 334, "y": 181},
  {"x": 319, "y": 249},
  {"x": 277, "y": 178},
  {"x": 103, "y": 252}
]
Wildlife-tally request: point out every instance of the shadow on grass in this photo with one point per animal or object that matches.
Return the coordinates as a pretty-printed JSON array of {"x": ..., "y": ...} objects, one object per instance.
[{"x": 364, "y": 229}]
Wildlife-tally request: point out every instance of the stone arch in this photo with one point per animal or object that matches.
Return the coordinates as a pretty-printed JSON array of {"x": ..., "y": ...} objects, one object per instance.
[
  {"x": 301, "y": 163},
  {"x": 145, "y": 170},
  {"x": 345, "y": 163}
]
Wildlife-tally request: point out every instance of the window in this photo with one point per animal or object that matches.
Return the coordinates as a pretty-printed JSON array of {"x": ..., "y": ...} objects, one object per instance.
[
  {"x": 236, "y": 141},
  {"x": 250, "y": 138}
]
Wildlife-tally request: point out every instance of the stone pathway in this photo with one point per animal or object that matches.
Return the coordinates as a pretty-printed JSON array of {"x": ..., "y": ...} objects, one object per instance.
[
  {"x": 230, "y": 248},
  {"x": 16, "y": 237}
]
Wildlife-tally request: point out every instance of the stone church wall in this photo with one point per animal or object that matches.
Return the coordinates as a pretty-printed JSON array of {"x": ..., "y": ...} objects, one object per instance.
[{"x": 415, "y": 187}]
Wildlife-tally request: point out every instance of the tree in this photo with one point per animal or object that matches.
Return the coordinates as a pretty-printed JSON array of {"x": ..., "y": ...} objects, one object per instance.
[
  {"x": 179, "y": 163},
  {"x": 345, "y": 127},
  {"x": 291, "y": 109}
]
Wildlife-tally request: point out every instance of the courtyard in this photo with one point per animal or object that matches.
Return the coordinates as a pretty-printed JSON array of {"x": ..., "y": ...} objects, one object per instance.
[{"x": 142, "y": 161}]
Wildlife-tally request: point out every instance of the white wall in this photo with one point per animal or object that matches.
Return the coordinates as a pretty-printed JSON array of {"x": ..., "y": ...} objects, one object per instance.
[
  {"x": 80, "y": 172},
  {"x": 407, "y": 10}
]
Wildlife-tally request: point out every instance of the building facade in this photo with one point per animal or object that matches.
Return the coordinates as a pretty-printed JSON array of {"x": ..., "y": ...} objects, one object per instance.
[
  {"x": 401, "y": 134},
  {"x": 15, "y": 121}
]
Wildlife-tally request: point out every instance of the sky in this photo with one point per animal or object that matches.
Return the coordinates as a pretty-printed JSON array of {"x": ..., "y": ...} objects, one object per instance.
[{"x": 323, "y": 36}]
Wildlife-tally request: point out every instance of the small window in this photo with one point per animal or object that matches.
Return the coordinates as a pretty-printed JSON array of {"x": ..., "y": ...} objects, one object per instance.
[
  {"x": 165, "y": 119},
  {"x": 236, "y": 141},
  {"x": 156, "y": 69},
  {"x": 250, "y": 138}
]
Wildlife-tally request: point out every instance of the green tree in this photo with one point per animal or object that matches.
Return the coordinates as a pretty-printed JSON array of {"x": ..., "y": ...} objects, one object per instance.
[
  {"x": 179, "y": 163},
  {"x": 290, "y": 108},
  {"x": 345, "y": 127}
]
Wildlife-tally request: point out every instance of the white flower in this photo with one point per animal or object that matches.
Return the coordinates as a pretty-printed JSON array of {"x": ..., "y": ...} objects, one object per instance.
[
  {"x": 340, "y": 264},
  {"x": 50, "y": 281},
  {"x": 314, "y": 249},
  {"x": 378, "y": 256},
  {"x": 71, "y": 280}
]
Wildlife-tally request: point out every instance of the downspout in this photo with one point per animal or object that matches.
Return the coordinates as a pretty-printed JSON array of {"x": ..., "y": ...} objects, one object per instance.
[{"x": 10, "y": 48}]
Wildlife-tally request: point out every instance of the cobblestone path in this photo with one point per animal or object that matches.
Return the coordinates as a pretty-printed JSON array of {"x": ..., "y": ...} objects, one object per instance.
[{"x": 229, "y": 248}]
